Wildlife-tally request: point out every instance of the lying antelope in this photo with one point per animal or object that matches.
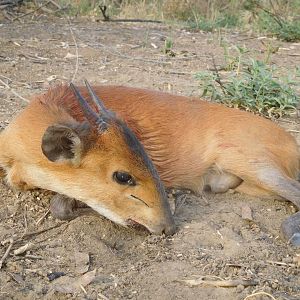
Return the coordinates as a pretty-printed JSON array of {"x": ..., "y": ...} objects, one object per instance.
[
  {"x": 193, "y": 144},
  {"x": 89, "y": 156}
]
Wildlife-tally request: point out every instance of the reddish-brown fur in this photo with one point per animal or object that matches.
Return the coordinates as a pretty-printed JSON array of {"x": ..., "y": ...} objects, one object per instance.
[
  {"x": 186, "y": 138},
  {"x": 193, "y": 143}
]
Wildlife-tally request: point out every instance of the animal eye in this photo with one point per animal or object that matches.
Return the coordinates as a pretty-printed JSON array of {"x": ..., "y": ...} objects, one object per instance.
[{"x": 123, "y": 178}]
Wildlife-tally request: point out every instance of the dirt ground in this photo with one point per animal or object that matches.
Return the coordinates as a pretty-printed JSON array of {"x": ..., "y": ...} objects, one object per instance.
[{"x": 213, "y": 241}]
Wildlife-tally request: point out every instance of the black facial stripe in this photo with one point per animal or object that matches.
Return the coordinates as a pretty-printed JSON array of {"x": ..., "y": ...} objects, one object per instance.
[
  {"x": 135, "y": 197},
  {"x": 139, "y": 150}
]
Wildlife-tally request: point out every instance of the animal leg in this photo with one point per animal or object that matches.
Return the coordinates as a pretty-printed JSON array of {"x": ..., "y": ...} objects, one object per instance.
[
  {"x": 290, "y": 229},
  {"x": 256, "y": 191},
  {"x": 64, "y": 208},
  {"x": 221, "y": 182},
  {"x": 276, "y": 182},
  {"x": 15, "y": 178}
]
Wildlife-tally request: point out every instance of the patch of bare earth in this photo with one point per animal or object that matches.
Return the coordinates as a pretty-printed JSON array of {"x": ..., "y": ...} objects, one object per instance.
[{"x": 95, "y": 258}]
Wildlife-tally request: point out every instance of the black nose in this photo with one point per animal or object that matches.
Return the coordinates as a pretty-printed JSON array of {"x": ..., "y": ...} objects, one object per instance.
[{"x": 169, "y": 229}]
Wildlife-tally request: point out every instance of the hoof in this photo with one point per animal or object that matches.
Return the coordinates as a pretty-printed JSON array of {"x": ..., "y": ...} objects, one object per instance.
[
  {"x": 290, "y": 229},
  {"x": 64, "y": 208}
]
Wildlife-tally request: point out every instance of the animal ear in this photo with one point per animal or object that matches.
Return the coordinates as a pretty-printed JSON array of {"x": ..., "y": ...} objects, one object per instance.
[{"x": 63, "y": 143}]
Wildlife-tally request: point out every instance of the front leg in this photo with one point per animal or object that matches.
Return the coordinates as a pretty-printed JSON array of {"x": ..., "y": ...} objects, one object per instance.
[
  {"x": 290, "y": 229},
  {"x": 65, "y": 208},
  {"x": 16, "y": 178}
]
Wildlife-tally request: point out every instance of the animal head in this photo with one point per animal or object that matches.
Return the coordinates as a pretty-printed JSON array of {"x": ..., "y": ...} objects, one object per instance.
[{"x": 103, "y": 164}]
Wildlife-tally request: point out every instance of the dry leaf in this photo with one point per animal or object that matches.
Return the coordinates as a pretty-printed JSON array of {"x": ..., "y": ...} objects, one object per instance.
[{"x": 70, "y": 285}]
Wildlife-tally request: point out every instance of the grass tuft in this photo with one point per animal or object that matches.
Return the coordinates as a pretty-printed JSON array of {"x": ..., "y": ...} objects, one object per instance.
[{"x": 252, "y": 88}]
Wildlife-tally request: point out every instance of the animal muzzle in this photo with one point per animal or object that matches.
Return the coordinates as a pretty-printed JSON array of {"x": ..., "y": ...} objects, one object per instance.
[{"x": 167, "y": 228}]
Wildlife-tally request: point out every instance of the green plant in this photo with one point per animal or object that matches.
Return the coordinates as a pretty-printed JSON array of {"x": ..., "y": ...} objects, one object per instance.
[
  {"x": 272, "y": 21},
  {"x": 222, "y": 21},
  {"x": 233, "y": 62},
  {"x": 286, "y": 30},
  {"x": 167, "y": 49},
  {"x": 254, "y": 89}
]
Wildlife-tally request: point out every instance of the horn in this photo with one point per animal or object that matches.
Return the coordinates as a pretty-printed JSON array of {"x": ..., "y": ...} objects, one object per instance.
[
  {"x": 91, "y": 116},
  {"x": 97, "y": 101}
]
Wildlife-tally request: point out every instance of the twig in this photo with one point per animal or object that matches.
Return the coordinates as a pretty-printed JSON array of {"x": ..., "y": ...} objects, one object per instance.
[
  {"x": 25, "y": 218},
  {"x": 179, "y": 202},
  {"x": 259, "y": 293},
  {"x": 76, "y": 49},
  {"x": 11, "y": 241},
  {"x": 280, "y": 263},
  {"x": 103, "y": 11},
  {"x": 32, "y": 11},
  {"x": 42, "y": 217},
  {"x": 102, "y": 296},
  {"x": 14, "y": 92},
  {"x": 108, "y": 19},
  {"x": 29, "y": 234},
  {"x": 177, "y": 72},
  {"x": 83, "y": 289},
  {"x": 219, "y": 283},
  {"x": 55, "y": 4},
  {"x": 275, "y": 17},
  {"x": 218, "y": 77}
]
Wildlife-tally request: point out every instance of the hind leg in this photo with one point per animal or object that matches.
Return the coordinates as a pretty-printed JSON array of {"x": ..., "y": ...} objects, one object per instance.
[
  {"x": 275, "y": 182},
  {"x": 289, "y": 189},
  {"x": 256, "y": 191}
]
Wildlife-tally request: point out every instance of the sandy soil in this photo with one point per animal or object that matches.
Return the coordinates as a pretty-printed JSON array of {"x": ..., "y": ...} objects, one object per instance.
[{"x": 213, "y": 240}]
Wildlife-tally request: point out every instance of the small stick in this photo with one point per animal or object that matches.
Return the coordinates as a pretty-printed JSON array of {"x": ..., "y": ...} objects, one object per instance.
[
  {"x": 55, "y": 4},
  {"x": 29, "y": 234},
  {"x": 25, "y": 218},
  {"x": 11, "y": 241},
  {"x": 76, "y": 50},
  {"x": 280, "y": 263},
  {"x": 220, "y": 283},
  {"x": 42, "y": 217},
  {"x": 15, "y": 93},
  {"x": 106, "y": 18},
  {"x": 102, "y": 296},
  {"x": 83, "y": 289},
  {"x": 218, "y": 77},
  {"x": 259, "y": 293}
]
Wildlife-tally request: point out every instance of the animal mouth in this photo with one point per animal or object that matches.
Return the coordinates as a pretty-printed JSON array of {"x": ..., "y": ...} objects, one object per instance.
[{"x": 136, "y": 225}]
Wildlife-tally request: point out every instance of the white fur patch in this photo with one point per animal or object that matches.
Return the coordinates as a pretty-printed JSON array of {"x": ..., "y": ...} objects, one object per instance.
[
  {"x": 46, "y": 180},
  {"x": 103, "y": 211}
]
